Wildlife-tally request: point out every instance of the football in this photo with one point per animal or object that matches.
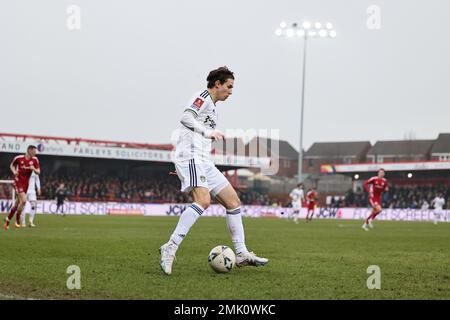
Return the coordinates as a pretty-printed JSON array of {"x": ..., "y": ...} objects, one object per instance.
[{"x": 222, "y": 259}]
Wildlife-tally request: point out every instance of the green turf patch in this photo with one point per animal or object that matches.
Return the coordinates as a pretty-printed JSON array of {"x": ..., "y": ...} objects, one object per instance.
[{"x": 326, "y": 259}]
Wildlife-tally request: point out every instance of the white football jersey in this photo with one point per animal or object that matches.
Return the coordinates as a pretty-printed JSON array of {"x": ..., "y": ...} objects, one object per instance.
[
  {"x": 193, "y": 145},
  {"x": 297, "y": 195},
  {"x": 33, "y": 183},
  {"x": 438, "y": 203}
]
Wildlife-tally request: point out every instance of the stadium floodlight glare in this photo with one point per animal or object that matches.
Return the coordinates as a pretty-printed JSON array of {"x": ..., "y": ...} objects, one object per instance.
[
  {"x": 410, "y": 175},
  {"x": 290, "y": 32},
  {"x": 300, "y": 33},
  {"x": 305, "y": 31},
  {"x": 356, "y": 176},
  {"x": 306, "y": 25}
]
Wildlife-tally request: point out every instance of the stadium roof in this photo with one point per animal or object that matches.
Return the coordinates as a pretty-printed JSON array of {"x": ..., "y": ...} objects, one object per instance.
[
  {"x": 442, "y": 144},
  {"x": 392, "y": 166},
  {"x": 401, "y": 147},
  {"x": 80, "y": 141},
  {"x": 88, "y": 148},
  {"x": 259, "y": 146},
  {"x": 337, "y": 149}
]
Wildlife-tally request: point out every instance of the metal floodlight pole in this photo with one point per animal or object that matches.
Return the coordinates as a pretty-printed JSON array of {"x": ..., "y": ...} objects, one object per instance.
[
  {"x": 300, "y": 152},
  {"x": 306, "y": 31}
]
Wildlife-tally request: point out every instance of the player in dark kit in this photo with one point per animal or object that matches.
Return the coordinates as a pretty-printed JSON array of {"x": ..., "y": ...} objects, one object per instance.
[
  {"x": 375, "y": 187},
  {"x": 22, "y": 167},
  {"x": 61, "y": 195}
]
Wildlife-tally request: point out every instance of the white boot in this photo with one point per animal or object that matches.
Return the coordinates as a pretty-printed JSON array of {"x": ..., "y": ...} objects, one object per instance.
[
  {"x": 167, "y": 251},
  {"x": 250, "y": 259}
]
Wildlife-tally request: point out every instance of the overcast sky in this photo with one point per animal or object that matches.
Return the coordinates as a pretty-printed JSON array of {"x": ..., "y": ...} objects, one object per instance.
[{"x": 128, "y": 72}]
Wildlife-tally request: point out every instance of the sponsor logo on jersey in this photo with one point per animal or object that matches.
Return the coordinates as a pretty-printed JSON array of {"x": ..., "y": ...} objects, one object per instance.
[{"x": 198, "y": 103}]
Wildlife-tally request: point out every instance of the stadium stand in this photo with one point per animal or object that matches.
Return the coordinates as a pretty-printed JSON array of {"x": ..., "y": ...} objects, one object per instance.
[
  {"x": 404, "y": 197},
  {"x": 131, "y": 179},
  {"x": 92, "y": 186}
]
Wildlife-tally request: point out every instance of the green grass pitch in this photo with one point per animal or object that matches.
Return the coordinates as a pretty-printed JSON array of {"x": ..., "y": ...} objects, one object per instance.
[{"x": 326, "y": 259}]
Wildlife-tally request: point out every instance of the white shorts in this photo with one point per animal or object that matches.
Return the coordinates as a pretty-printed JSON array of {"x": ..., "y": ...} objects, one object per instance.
[
  {"x": 296, "y": 206},
  {"x": 200, "y": 174},
  {"x": 31, "y": 197}
]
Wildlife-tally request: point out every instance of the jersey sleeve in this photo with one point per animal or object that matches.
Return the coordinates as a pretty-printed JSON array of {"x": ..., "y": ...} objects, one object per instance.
[
  {"x": 15, "y": 161},
  {"x": 36, "y": 163},
  {"x": 189, "y": 121},
  {"x": 197, "y": 104},
  {"x": 38, "y": 182},
  {"x": 367, "y": 184}
]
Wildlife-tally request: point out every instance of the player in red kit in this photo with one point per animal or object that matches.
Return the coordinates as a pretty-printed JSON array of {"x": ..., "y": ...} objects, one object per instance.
[
  {"x": 311, "y": 198},
  {"x": 22, "y": 167},
  {"x": 375, "y": 187}
]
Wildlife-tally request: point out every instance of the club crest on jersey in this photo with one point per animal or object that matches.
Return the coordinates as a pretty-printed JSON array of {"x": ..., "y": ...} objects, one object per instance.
[
  {"x": 202, "y": 178},
  {"x": 198, "y": 103}
]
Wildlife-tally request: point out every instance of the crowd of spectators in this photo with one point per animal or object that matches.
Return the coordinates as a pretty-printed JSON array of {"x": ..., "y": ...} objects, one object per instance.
[
  {"x": 163, "y": 188},
  {"x": 103, "y": 187},
  {"x": 411, "y": 197},
  {"x": 92, "y": 186}
]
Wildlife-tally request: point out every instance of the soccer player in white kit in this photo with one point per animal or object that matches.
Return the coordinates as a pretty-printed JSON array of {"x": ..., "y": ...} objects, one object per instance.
[
  {"x": 198, "y": 174},
  {"x": 34, "y": 185},
  {"x": 297, "y": 195},
  {"x": 438, "y": 204}
]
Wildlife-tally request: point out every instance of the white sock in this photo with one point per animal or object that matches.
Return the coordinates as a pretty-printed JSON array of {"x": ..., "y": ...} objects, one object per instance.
[
  {"x": 32, "y": 212},
  {"x": 295, "y": 216},
  {"x": 236, "y": 228},
  {"x": 22, "y": 218},
  {"x": 187, "y": 220}
]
